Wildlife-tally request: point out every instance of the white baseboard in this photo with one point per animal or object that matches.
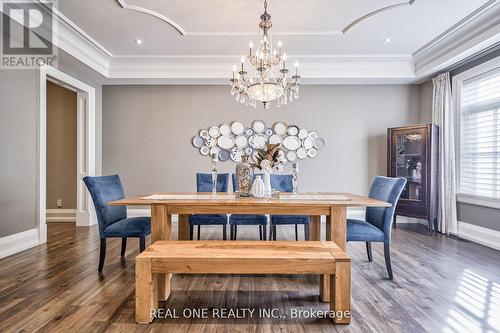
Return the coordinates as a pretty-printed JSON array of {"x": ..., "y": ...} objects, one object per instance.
[
  {"x": 18, "y": 242},
  {"x": 477, "y": 234},
  {"x": 61, "y": 215}
]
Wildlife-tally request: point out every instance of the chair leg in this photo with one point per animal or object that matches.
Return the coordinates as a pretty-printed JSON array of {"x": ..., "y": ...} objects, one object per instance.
[
  {"x": 199, "y": 228},
  {"x": 224, "y": 232},
  {"x": 387, "y": 256},
  {"x": 142, "y": 244},
  {"x": 260, "y": 232},
  {"x": 296, "y": 232},
  {"x": 102, "y": 254},
  {"x": 274, "y": 232},
  {"x": 264, "y": 232},
  {"x": 369, "y": 251},
  {"x": 191, "y": 232},
  {"x": 306, "y": 232},
  {"x": 231, "y": 232},
  {"x": 124, "y": 246},
  {"x": 394, "y": 222},
  {"x": 270, "y": 232},
  {"x": 235, "y": 232}
]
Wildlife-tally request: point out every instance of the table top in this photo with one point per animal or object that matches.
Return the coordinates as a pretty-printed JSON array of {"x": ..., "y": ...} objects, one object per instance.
[
  {"x": 230, "y": 199},
  {"x": 244, "y": 250}
]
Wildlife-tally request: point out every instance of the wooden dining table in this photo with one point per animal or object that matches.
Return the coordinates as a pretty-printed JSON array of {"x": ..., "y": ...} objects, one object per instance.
[{"x": 331, "y": 205}]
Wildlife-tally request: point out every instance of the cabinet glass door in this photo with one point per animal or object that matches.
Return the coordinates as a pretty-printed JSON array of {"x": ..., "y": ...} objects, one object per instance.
[{"x": 409, "y": 154}]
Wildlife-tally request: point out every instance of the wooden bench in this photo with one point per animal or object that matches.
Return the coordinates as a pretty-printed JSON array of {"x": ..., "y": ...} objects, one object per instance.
[{"x": 243, "y": 257}]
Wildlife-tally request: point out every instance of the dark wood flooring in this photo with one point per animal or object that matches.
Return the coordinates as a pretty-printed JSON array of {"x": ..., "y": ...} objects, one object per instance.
[{"x": 441, "y": 285}]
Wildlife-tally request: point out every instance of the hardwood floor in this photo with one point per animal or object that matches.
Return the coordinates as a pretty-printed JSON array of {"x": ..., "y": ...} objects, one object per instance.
[{"x": 441, "y": 285}]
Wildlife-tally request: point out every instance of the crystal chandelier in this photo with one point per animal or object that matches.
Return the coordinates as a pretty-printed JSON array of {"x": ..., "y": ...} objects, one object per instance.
[{"x": 268, "y": 79}]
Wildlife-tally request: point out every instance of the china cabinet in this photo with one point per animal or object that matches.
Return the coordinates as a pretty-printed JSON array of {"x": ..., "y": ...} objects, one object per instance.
[{"x": 412, "y": 153}]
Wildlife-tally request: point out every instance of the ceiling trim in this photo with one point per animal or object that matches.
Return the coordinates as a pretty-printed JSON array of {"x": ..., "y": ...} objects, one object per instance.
[
  {"x": 183, "y": 32},
  {"x": 314, "y": 69},
  {"x": 477, "y": 31},
  {"x": 165, "y": 19}
]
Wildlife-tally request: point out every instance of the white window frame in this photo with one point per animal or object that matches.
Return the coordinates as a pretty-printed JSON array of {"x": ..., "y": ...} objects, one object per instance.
[{"x": 457, "y": 84}]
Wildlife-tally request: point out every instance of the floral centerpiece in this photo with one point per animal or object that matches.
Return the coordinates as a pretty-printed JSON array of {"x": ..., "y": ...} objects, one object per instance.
[{"x": 269, "y": 160}]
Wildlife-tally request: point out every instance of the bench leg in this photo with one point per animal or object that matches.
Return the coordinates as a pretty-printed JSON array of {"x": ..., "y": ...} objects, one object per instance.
[
  {"x": 146, "y": 296},
  {"x": 340, "y": 292}
]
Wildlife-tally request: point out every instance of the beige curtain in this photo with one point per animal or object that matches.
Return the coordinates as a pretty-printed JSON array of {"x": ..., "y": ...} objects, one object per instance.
[{"x": 442, "y": 116}]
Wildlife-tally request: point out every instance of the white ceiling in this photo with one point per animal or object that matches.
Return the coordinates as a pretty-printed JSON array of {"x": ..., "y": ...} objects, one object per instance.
[{"x": 224, "y": 27}]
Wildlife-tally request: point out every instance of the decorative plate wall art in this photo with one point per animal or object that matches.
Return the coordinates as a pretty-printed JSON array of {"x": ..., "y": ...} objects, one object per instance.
[{"x": 233, "y": 141}]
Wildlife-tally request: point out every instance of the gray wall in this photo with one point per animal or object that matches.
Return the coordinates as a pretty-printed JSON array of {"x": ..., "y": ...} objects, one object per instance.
[
  {"x": 18, "y": 141},
  {"x": 477, "y": 215},
  {"x": 18, "y": 91},
  {"x": 148, "y": 130}
]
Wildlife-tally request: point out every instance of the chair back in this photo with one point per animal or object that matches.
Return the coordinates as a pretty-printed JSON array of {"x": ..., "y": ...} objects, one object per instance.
[
  {"x": 102, "y": 190},
  {"x": 282, "y": 183},
  {"x": 204, "y": 182},
  {"x": 388, "y": 190}
]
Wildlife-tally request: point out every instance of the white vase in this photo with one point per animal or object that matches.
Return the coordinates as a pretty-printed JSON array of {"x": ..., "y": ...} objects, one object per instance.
[
  {"x": 258, "y": 187},
  {"x": 267, "y": 184}
]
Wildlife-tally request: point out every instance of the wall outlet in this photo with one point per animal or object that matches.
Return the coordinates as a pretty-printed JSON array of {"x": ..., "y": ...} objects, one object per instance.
[{"x": 59, "y": 203}]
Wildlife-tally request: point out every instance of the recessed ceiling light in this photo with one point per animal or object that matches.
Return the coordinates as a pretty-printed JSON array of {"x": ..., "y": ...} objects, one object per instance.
[
  {"x": 388, "y": 40},
  {"x": 138, "y": 41}
]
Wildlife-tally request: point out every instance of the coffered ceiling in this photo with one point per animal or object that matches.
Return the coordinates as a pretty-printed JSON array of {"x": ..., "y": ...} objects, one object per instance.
[{"x": 224, "y": 27}]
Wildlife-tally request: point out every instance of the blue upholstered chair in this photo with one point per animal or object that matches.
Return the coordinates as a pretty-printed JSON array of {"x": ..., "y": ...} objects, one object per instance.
[
  {"x": 204, "y": 184},
  {"x": 246, "y": 219},
  {"x": 378, "y": 220},
  {"x": 284, "y": 183},
  {"x": 112, "y": 220}
]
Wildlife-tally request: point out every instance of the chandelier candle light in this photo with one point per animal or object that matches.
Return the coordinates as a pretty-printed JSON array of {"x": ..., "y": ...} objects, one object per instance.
[{"x": 268, "y": 80}]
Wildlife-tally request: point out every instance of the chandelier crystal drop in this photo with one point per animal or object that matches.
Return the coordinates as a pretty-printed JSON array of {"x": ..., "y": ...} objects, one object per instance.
[{"x": 268, "y": 78}]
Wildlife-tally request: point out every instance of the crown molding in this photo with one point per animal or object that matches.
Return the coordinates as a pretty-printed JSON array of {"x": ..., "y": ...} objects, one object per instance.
[
  {"x": 476, "y": 32},
  {"x": 216, "y": 69}
]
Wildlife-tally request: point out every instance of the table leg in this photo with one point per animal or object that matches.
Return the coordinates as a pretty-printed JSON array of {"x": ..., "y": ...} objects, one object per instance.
[
  {"x": 340, "y": 292},
  {"x": 336, "y": 228},
  {"x": 315, "y": 227},
  {"x": 183, "y": 227},
  {"x": 161, "y": 229}
]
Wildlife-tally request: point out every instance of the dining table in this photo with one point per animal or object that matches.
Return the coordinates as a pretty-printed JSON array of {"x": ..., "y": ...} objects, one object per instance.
[{"x": 313, "y": 204}]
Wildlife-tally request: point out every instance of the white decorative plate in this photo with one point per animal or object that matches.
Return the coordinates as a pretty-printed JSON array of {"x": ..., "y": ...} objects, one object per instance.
[
  {"x": 214, "y": 151},
  {"x": 258, "y": 141},
  {"x": 258, "y": 126},
  {"x": 313, "y": 135},
  {"x": 214, "y": 131},
  {"x": 211, "y": 142},
  {"x": 225, "y": 142},
  {"x": 249, "y": 132},
  {"x": 308, "y": 143},
  {"x": 319, "y": 143},
  {"x": 293, "y": 130},
  {"x": 204, "y": 150},
  {"x": 312, "y": 152},
  {"x": 225, "y": 129},
  {"x": 280, "y": 128},
  {"x": 204, "y": 134},
  {"x": 237, "y": 128},
  {"x": 275, "y": 138},
  {"x": 241, "y": 141},
  {"x": 291, "y": 156},
  {"x": 198, "y": 141},
  {"x": 248, "y": 151},
  {"x": 236, "y": 154},
  {"x": 269, "y": 131},
  {"x": 291, "y": 143},
  {"x": 301, "y": 153},
  {"x": 303, "y": 133}
]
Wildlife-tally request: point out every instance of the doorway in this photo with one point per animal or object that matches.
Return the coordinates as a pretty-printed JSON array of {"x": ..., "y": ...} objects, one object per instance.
[{"x": 85, "y": 147}]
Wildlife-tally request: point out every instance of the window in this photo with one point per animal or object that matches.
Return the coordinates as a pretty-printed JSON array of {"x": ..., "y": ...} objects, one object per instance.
[{"x": 479, "y": 107}]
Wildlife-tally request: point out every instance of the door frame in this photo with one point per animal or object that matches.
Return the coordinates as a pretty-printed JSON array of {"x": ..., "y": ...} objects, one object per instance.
[{"x": 86, "y": 147}]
